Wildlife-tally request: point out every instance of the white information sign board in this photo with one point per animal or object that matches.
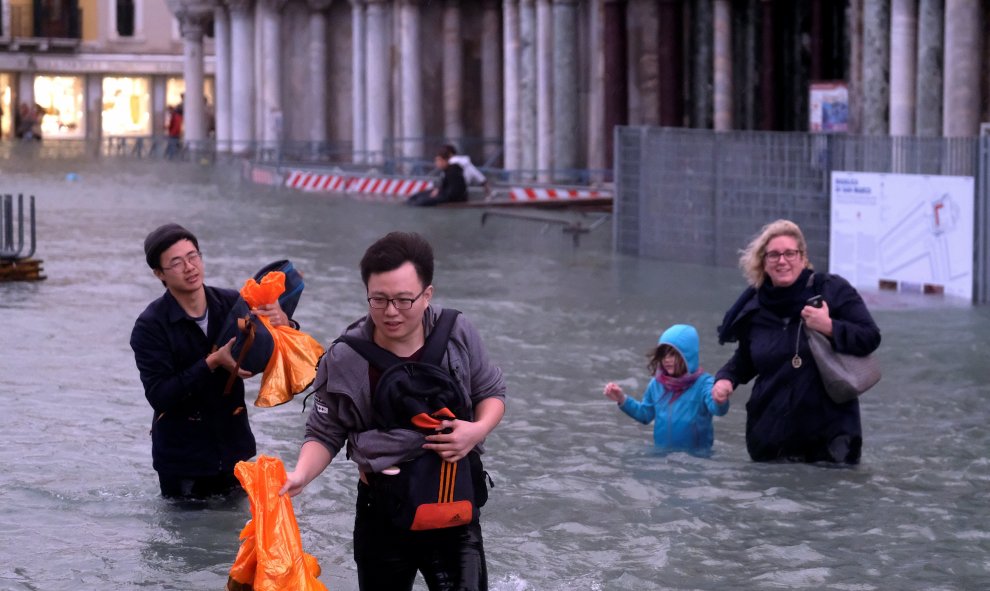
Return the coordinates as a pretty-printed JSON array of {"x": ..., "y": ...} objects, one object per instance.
[{"x": 903, "y": 231}]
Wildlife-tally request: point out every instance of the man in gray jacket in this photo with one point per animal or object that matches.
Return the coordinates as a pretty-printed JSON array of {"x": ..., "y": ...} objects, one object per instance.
[{"x": 397, "y": 271}]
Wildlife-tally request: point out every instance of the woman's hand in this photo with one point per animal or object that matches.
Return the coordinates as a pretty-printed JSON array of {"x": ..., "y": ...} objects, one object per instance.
[
  {"x": 614, "y": 392},
  {"x": 721, "y": 391},
  {"x": 818, "y": 318}
]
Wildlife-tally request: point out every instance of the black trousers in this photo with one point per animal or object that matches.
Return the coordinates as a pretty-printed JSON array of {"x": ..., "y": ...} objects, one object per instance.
[
  {"x": 450, "y": 559},
  {"x": 175, "y": 486}
]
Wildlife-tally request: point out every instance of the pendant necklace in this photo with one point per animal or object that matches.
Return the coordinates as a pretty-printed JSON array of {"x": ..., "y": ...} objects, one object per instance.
[{"x": 796, "y": 360}]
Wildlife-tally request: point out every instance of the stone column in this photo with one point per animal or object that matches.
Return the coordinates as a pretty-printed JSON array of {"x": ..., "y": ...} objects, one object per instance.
[
  {"x": 768, "y": 98},
  {"x": 616, "y": 73},
  {"x": 242, "y": 84},
  {"x": 701, "y": 76},
  {"x": 222, "y": 92},
  {"x": 646, "y": 47},
  {"x": 271, "y": 95},
  {"x": 491, "y": 74},
  {"x": 412, "y": 81},
  {"x": 192, "y": 26},
  {"x": 193, "y": 16},
  {"x": 722, "y": 62},
  {"x": 565, "y": 83},
  {"x": 876, "y": 64},
  {"x": 359, "y": 102},
  {"x": 158, "y": 104},
  {"x": 544, "y": 88},
  {"x": 377, "y": 50},
  {"x": 854, "y": 32},
  {"x": 928, "y": 82},
  {"x": 453, "y": 72},
  {"x": 903, "y": 52},
  {"x": 670, "y": 60},
  {"x": 510, "y": 33},
  {"x": 318, "y": 71},
  {"x": 749, "y": 93},
  {"x": 593, "y": 135},
  {"x": 527, "y": 85},
  {"x": 93, "y": 97},
  {"x": 963, "y": 52}
]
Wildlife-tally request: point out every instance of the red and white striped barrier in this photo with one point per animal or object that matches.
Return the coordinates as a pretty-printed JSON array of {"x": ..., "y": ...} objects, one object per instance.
[
  {"x": 385, "y": 189},
  {"x": 554, "y": 194},
  {"x": 261, "y": 175},
  {"x": 312, "y": 181}
]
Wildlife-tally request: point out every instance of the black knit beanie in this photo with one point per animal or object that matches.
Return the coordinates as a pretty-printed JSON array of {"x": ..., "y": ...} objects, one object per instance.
[{"x": 161, "y": 239}]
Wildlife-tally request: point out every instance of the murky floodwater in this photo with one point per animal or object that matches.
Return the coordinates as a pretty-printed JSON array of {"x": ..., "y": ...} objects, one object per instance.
[{"x": 581, "y": 501}]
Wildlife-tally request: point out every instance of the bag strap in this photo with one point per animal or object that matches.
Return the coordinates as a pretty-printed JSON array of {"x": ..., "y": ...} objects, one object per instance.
[
  {"x": 436, "y": 344},
  {"x": 816, "y": 281},
  {"x": 247, "y": 327},
  {"x": 433, "y": 348}
]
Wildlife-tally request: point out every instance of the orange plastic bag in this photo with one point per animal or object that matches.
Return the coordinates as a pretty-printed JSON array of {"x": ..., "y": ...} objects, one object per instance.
[
  {"x": 271, "y": 557},
  {"x": 292, "y": 365}
]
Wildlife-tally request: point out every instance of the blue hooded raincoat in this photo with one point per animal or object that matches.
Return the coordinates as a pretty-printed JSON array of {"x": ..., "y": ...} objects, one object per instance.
[{"x": 686, "y": 424}]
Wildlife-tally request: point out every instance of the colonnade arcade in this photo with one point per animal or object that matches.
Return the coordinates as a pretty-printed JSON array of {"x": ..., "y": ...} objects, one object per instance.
[{"x": 366, "y": 72}]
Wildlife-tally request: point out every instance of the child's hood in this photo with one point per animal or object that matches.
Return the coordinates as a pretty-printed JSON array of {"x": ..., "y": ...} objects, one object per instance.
[{"x": 684, "y": 338}]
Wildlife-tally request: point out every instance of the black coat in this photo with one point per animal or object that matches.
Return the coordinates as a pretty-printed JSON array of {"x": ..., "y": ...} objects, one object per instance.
[
  {"x": 789, "y": 415},
  {"x": 196, "y": 429}
]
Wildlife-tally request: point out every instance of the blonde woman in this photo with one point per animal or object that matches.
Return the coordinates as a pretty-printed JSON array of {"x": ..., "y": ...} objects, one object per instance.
[{"x": 789, "y": 416}]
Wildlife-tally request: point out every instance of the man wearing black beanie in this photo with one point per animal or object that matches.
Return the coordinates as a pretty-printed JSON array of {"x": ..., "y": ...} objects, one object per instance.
[{"x": 198, "y": 433}]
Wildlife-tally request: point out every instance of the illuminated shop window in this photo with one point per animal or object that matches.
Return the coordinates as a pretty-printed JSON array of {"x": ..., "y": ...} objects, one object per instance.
[
  {"x": 60, "y": 101},
  {"x": 174, "y": 89},
  {"x": 7, "y": 107},
  {"x": 126, "y": 106}
]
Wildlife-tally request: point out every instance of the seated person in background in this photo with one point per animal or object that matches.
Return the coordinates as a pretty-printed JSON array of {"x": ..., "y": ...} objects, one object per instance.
[
  {"x": 472, "y": 175},
  {"x": 452, "y": 187}
]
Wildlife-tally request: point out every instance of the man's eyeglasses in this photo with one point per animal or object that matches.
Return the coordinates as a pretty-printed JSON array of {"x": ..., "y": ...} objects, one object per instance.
[
  {"x": 380, "y": 303},
  {"x": 190, "y": 259},
  {"x": 789, "y": 255}
]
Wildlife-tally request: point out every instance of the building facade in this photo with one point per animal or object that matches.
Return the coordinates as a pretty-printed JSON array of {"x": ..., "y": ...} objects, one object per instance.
[
  {"x": 87, "y": 69},
  {"x": 524, "y": 84}
]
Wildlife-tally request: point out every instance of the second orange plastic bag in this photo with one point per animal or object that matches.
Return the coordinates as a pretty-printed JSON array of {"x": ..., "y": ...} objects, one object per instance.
[
  {"x": 292, "y": 365},
  {"x": 271, "y": 557}
]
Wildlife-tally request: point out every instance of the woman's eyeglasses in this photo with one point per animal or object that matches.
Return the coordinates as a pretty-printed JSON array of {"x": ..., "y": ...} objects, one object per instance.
[{"x": 789, "y": 255}]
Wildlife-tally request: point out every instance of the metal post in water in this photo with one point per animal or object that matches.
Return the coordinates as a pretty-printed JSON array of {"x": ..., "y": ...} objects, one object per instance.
[
  {"x": 15, "y": 264},
  {"x": 7, "y": 225}
]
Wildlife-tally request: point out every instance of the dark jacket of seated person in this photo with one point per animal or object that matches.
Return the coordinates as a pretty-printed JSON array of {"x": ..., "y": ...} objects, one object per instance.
[{"x": 452, "y": 187}]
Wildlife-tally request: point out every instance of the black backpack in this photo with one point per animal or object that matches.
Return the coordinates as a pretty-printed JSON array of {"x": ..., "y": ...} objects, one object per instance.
[{"x": 428, "y": 492}]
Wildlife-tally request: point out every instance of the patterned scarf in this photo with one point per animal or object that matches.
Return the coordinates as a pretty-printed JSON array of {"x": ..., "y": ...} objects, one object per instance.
[{"x": 677, "y": 385}]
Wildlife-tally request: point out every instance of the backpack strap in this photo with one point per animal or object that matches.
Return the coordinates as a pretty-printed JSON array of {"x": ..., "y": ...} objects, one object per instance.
[
  {"x": 436, "y": 343},
  {"x": 433, "y": 349}
]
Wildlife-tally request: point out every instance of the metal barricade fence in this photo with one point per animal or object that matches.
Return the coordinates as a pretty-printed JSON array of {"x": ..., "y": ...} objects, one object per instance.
[{"x": 713, "y": 191}]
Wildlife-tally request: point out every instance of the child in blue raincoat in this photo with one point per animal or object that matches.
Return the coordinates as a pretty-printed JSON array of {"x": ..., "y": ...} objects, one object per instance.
[{"x": 678, "y": 398}]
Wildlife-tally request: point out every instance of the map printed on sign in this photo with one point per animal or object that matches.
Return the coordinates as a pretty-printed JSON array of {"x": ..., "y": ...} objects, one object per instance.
[{"x": 908, "y": 232}]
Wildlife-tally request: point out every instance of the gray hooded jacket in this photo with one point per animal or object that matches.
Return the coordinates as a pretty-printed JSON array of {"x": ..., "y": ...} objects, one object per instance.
[{"x": 343, "y": 412}]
